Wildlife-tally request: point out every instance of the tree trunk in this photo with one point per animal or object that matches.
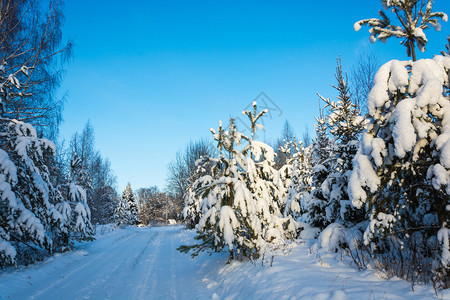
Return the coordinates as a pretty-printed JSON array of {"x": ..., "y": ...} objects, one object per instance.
[{"x": 413, "y": 50}]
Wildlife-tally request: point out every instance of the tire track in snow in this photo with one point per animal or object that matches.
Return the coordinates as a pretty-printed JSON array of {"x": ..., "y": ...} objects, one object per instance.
[
  {"x": 65, "y": 278},
  {"x": 105, "y": 283},
  {"x": 141, "y": 290},
  {"x": 173, "y": 276},
  {"x": 141, "y": 254},
  {"x": 110, "y": 273}
]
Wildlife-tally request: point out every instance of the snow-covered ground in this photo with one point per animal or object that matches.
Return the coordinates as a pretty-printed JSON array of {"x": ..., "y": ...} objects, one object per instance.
[{"x": 143, "y": 263}]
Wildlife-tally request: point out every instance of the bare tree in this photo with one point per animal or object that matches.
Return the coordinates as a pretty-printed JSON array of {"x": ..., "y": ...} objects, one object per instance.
[
  {"x": 282, "y": 146},
  {"x": 31, "y": 40},
  {"x": 100, "y": 182},
  {"x": 182, "y": 171},
  {"x": 147, "y": 207},
  {"x": 362, "y": 79},
  {"x": 306, "y": 137},
  {"x": 155, "y": 207}
]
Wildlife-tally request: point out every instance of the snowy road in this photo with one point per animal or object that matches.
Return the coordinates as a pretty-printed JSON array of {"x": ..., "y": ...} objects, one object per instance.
[
  {"x": 136, "y": 263},
  {"x": 143, "y": 263}
]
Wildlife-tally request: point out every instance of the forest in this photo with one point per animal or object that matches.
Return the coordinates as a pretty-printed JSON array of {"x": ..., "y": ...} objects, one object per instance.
[{"x": 372, "y": 183}]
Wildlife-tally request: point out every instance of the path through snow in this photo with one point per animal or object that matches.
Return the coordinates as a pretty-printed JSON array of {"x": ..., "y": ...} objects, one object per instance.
[
  {"x": 143, "y": 263},
  {"x": 134, "y": 263}
]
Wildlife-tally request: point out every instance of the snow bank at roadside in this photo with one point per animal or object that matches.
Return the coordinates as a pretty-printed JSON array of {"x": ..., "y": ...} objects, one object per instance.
[{"x": 308, "y": 271}]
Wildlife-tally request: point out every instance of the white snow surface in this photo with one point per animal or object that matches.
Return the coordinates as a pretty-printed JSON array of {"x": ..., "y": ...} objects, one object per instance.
[{"x": 143, "y": 263}]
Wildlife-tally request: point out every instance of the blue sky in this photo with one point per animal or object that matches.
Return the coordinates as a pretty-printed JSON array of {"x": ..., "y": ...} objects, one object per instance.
[{"x": 153, "y": 75}]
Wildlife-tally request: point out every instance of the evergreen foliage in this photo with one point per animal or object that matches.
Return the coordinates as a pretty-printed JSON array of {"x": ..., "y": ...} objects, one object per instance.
[
  {"x": 126, "y": 212},
  {"x": 345, "y": 126},
  {"x": 402, "y": 168},
  {"x": 315, "y": 204},
  {"x": 414, "y": 16},
  {"x": 239, "y": 206},
  {"x": 36, "y": 218}
]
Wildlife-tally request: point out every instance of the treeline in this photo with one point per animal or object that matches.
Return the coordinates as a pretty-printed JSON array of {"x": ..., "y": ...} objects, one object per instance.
[
  {"x": 154, "y": 206},
  {"x": 374, "y": 185}
]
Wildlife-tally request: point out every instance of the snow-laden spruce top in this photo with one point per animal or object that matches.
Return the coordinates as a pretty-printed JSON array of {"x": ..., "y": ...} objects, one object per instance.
[
  {"x": 407, "y": 104},
  {"x": 413, "y": 18}
]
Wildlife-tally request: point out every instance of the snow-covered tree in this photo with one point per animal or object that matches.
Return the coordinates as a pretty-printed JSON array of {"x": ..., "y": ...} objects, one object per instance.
[
  {"x": 127, "y": 211},
  {"x": 237, "y": 203},
  {"x": 284, "y": 146},
  {"x": 297, "y": 175},
  {"x": 345, "y": 125},
  {"x": 414, "y": 17},
  {"x": 315, "y": 203},
  {"x": 97, "y": 177},
  {"x": 402, "y": 168},
  {"x": 30, "y": 222},
  {"x": 80, "y": 220},
  {"x": 447, "y": 47}
]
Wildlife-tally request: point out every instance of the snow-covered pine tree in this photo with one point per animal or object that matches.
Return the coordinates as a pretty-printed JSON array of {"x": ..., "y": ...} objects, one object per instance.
[
  {"x": 29, "y": 221},
  {"x": 402, "y": 168},
  {"x": 81, "y": 215},
  {"x": 447, "y": 47},
  {"x": 126, "y": 212},
  {"x": 299, "y": 174},
  {"x": 345, "y": 125},
  {"x": 315, "y": 203},
  {"x": 238, "y": 203},
  {"x": 285, "y": 146},
  {"x": 414, "y": 17}
]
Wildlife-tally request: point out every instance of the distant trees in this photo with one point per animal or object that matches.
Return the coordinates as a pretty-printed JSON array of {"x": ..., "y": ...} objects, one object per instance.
[
  {"x": 99, "y": 180},
  {"x": 147, "y": 207},
  {"x": 284, "y": 150},
  {"x": 126, "y": 212},
  {"x": 414, "y": 17},
  {"x": 155, "y": 206},
  {"x": 182, "y": 170},
  {"x": 361, "y": 79}
]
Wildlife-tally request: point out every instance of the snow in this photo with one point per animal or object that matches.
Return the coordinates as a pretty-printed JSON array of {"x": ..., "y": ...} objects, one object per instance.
[
  {"x": 408, "y": 121},
  {"x": 260, "y": 148},
  {"x": 227, "y": 224},
  {"x": 143, "y": 263},
  {"x": 403, "y": 133},
  {"x": 332, "y": 237},
  {"x": 444, "y": 237},
  {"x": 7, "y": 250}
]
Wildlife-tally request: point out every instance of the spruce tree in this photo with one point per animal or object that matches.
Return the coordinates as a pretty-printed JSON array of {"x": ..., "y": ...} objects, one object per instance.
[
  {"x": 81, "y": 214},
  {"x": 315, "y": 203},
  {"x": 345, "y": 125},
  {"x": 402, "y": 168},
  {"x": 237, "y": 203},
  {"x": 298, "y": 179},
  {"x": 30, "y": 223},
  {"x": 127, "y": 211}
]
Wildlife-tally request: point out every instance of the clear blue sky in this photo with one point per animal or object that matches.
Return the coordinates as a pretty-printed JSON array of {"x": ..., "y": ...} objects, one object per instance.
[{"x": 153, "y": 75}]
